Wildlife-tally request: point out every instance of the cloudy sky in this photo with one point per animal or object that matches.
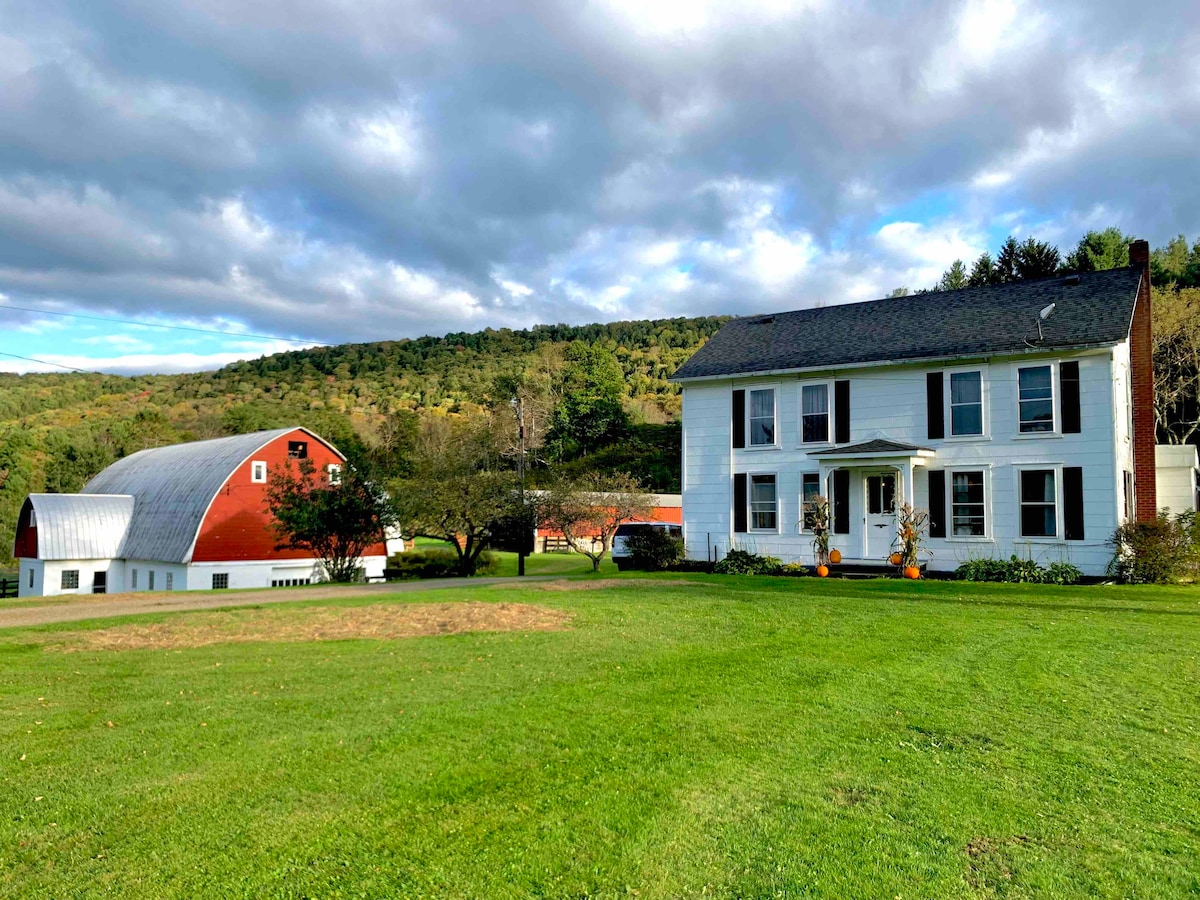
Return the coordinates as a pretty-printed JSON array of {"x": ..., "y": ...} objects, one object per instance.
[{"x": 352, "y": 170}]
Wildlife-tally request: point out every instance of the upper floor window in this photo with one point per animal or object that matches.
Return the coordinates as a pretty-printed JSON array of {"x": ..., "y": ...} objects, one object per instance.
[
  {"x": 335, "y": 473},
  {"x": 762, "y": 417},
  {"x": 763, "y": 510},
  {"x": 966, "y": 403},
  {"x": 298, "y": 449},
  {"x": 1039, "y": 499},
  {"x": 814, "y": 413},
  {"x": 1035, "y": 386},
  {"x": 258, "y": 472}
]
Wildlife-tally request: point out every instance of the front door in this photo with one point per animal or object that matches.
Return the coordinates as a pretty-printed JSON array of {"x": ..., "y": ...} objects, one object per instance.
[{"x": 881, "y": 514}]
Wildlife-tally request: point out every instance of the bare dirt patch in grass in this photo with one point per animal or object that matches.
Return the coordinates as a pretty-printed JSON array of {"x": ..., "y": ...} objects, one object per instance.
[{"x": 382, "y": 621}]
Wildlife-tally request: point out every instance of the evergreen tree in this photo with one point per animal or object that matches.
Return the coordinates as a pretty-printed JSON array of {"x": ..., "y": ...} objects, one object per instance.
[
  {"x": 1006, "y": 261},
  {"x": 953, "y": 278},
  {"x": 1036, "y": 259},
  {"x": 983, "y": 272}
]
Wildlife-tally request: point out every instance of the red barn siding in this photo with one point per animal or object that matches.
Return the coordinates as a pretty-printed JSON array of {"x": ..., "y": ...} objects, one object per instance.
[
  {"x": 26, "y": 543},
  {"x": 237, "y": 525}
]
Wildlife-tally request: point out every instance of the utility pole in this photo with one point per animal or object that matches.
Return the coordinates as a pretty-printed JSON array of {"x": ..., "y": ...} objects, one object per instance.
[{"x": 520, "y": 410}]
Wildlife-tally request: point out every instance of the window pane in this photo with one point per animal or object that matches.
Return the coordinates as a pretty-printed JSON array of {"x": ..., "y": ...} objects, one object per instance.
[
  {"x": 815, "y": 398},
  {"x": 1035, "y": 383},
  {"x": 968, "y": 522},
  {"x": 762, "y": 403},
  {"x": 1037, "y": 521},
  {"x": 966, "y": 419},
  {"x": 1037, "y": 487},
  {"x": 968, "y": 487},
  {"x": 762, "y": 432},
  {"x": 816, "y": 429},
  {"x": 966, "y": 387},
  {"x": 762, "y": 490},
  {"x": 1037, "y": 415}
]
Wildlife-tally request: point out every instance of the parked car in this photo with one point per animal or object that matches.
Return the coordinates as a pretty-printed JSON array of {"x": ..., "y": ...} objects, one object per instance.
[{"x": 620, "y": 555}]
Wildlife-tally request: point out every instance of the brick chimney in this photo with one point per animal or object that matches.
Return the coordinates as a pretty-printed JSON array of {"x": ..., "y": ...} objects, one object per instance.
[{"x": 1141, "y": 354}]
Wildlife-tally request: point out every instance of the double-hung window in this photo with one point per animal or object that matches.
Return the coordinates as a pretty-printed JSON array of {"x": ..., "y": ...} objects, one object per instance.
[
  {"x": 764, "y": 515},
  {"x": 968, "y": 514},
  {"x": 966, "y": 403},
  {"x": 814, "y": 413},
  {"x": 762, "y": 417},
  {"x": 1035, "y": 387},
  {"x": 1039, "y": 503},
  {"x": 810, "y": 490}
]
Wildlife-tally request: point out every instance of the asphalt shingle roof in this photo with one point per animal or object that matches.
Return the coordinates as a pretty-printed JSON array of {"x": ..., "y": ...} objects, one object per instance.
[{"x": 1091, "y": 309}]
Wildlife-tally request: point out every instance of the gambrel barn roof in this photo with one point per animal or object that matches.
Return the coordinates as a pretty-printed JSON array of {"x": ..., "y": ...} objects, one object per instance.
[{"x": 1090, "y": 309}]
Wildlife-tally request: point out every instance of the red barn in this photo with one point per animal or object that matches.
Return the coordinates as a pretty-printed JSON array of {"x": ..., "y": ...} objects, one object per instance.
[{"x": 185, "y": 517}]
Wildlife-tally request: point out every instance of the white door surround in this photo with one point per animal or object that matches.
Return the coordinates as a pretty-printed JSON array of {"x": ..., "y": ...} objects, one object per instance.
[{"x": 881, "y": 490}]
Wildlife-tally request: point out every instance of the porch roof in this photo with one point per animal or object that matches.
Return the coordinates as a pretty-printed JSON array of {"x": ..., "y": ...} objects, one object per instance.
[{"x": 877, "y": 448}]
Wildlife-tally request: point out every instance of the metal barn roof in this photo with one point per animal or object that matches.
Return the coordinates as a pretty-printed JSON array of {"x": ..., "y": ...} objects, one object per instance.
[
  {"x": 81, "y": 526},
  {"x": 172, "y": 488}
]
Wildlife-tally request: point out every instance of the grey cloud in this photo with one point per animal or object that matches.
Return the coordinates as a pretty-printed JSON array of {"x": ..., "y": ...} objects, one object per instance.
[{"x": 553, "y": 142}]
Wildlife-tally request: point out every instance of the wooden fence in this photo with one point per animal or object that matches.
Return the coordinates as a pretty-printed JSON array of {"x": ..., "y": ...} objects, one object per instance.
[{"x": 8, "y": 588}]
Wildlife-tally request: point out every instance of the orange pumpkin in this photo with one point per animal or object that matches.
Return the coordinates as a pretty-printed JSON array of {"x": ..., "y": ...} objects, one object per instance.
[
  {"x": 835, "y": 556},
  {"x": 895, "y": 559},
  {"x": 912, "y": 572},
  {"x": 822, "y": 571}
]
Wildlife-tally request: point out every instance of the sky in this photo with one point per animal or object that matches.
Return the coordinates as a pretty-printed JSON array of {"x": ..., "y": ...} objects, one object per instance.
[{"x": 295, "y": 172}]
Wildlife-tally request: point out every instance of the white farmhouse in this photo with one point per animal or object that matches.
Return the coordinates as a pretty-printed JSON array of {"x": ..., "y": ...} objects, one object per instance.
[{"x": 1021, "y": 416}]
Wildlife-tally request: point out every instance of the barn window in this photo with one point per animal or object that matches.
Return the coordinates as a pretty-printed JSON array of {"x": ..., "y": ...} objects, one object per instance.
[
  {"x": 150, "y": 580},
  {"x": 220, "y": 581},
  {"x": 335, "y": 473},
  {"x": 70, "y": 579},
  {"x": 258, "y": 472},
  {"x": 170, "y": 585},
  {"x": 298, "y": 449}
]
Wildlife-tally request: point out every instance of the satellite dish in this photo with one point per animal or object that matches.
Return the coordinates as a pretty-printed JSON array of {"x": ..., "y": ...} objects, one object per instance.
[{"x": 1045, "y": 313}]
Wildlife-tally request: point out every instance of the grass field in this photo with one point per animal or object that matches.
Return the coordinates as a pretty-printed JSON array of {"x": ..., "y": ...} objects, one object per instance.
[{"x": 698, "y": 737}]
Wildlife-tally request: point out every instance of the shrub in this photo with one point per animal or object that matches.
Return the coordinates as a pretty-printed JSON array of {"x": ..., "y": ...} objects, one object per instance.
[
  {"x": 654, "y": 549},
  {"x": 1017, "y": 571},
  {"x": 793, "y": 570},
  {"x": 435, "y": 563},
  {"x": 1161, "y": 551},
  {"x": 743, "y": 562},
  {"x": 692, "y": 565}
]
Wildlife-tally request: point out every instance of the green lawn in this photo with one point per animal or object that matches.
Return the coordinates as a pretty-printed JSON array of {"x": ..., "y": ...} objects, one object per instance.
[{"x": 724, "y": 737}]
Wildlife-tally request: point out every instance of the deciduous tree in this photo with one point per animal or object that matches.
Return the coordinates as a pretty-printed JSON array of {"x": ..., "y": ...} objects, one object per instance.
[
  {"x": 335, "y": 520},
  {"x": 457, "y": 490},
  {"x": 588, "y": 510}
]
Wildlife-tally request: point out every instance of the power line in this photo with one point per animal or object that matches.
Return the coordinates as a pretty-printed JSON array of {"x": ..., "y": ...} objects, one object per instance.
[
  {"x": 241, "y": 334},
  {"x": 46, "y": 362}
]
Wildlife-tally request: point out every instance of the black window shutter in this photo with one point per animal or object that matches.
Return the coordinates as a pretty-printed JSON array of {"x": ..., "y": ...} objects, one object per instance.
[
  {"x": 841, "y": 501},
  {"x": 739, "y": 503},
  {"x": 937, "y": 504},
  {"x": 1073, "y": 503},
  {"x": 935, "y": 405},
  {"x": 841, "y": 412},
  {"x": 739, "y": 421},
  {"x": 1068, "y": 374}
]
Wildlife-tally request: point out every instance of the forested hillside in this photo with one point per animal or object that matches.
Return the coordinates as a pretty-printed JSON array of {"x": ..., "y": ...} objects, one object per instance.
[{"x": 57, "y": 431}]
